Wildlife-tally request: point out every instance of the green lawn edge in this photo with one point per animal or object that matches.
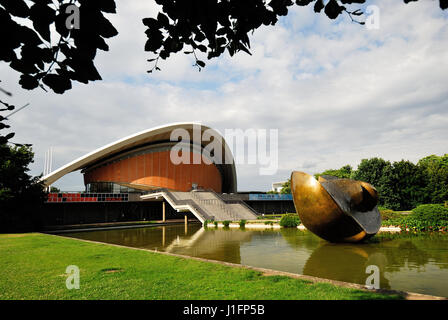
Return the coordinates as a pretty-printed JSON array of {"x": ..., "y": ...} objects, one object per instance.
[{"x": 33, "y": 266}]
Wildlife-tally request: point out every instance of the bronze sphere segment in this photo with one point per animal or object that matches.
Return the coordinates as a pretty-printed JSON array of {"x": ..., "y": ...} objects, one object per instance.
[{"x": 337, "y": 210}]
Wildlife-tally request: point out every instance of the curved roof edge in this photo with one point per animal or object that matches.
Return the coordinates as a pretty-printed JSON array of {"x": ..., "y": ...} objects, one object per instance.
[{"x": 134, "y": 140}]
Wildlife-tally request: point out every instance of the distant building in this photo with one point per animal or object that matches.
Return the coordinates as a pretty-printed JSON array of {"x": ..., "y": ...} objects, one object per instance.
[{"x": 277, "y": 186}]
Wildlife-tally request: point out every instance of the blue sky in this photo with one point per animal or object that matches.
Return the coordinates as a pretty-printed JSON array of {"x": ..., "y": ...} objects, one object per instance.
[{"x": 336, "y": 92}]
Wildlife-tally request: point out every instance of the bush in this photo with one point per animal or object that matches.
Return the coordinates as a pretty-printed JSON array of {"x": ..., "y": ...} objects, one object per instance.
[
  {"x": 216, "y": 224},
  {"x": 242, "y": 223},
  {"x": 290, "y": 220},
  {"x": 269, "y": 223},
  {"x": 426, "y": 217},
  {"x": 390, "y": 217},
  {"x": 226, "y": 223},
  {"x": 435, "y": 215},
  {"x": 387, "y": 214}
]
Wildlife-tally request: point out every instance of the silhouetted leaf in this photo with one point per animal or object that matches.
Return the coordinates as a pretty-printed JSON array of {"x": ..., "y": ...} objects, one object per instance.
[
  {"x": 333, "y": 9},
  {"x": 17, "y": 8},
  {"x": 42, "y": 16},
  {"x": 58, "y": 83},
  {"x": 28, "y": 82},
  {"x": 318, "y": 6}
]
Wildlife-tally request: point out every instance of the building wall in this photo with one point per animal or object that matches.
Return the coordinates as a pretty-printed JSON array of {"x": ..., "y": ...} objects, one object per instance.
[
  {"x": 55, "y": 214},
  {"x": 156, "y": 170}
]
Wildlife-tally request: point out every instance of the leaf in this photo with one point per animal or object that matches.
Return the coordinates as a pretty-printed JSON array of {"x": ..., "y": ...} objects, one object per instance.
[
  {"x": 163, "y": 19},
  {"x": 28, "y": 82},
  {"x": 151, "y": 23},
  {"x": 42, "y": 16},
  {"x": 58, "y": 83},
  {"x": 318, "y": 6},
  {"x": 200, "y": 63},
  {"x": 333, "y": 9},
  {"x": 17, "y": 8},
  {"x": 202, "y": 48}
]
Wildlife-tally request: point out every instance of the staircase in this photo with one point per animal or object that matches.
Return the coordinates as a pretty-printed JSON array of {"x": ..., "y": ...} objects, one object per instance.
[{"x": 205, "y": 205}]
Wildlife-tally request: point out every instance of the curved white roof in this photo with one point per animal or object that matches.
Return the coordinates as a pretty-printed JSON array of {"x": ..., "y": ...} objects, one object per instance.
[{"x": 153, "y": 135}]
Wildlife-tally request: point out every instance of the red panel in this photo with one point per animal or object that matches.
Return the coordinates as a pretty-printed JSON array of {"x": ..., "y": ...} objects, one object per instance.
[
  {"x": 163, "y": 160},
  {"x": 156, "y": 168}
]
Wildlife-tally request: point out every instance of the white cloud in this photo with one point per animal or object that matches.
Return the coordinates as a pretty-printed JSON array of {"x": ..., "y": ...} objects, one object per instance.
[{"x": 336, "y": 91}]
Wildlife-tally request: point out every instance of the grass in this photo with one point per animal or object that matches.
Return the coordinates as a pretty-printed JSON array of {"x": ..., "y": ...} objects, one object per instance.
[{"x": 33, "y": 267}]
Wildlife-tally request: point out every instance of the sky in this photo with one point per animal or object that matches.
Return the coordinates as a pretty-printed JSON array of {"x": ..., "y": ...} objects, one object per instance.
[{"x": 336, "y": 91}]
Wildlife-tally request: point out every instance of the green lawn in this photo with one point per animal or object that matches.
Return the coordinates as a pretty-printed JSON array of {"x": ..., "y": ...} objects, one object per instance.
[{"x": 32, "y": 266}]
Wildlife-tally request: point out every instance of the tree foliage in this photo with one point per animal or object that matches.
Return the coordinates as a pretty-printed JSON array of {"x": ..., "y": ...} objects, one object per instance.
[
  {"x": 436, "y": 177},
  {"x": 344, "y": 172},
  {"x": 40, "y": 42},
  {"x": 286, "y": 187},
  {"x": 20, "y": 194},
  {"x": 51, "y": 53},
  {"x": 403, "y": 185}
]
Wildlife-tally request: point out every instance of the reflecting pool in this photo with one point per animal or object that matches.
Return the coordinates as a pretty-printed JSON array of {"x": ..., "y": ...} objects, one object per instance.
[{"x": 407, "y": 261}]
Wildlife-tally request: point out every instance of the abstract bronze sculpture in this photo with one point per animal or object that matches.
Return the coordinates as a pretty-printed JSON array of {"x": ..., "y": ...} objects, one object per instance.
[{"x": 337, "y": 210}]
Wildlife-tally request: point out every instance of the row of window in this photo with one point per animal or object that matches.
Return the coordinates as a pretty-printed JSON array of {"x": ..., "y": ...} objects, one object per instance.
[{"x": 87, "y": 197}]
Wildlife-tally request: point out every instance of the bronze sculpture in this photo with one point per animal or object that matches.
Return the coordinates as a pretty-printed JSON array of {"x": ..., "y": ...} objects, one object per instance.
[{"x": 337, "y": 210}]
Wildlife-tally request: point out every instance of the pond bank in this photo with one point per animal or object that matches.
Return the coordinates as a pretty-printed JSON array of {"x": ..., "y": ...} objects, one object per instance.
[{"x": 250, "y": 225}]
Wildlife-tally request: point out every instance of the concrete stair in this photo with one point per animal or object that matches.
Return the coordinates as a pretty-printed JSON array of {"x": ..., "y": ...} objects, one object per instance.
[{"x": 205, "y": 205}]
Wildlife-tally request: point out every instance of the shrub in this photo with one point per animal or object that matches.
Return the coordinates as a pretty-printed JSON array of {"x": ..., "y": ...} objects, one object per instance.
[
  {"x": 387, "y": 214},
  {"x": 216, "y": 224},
  {"x": 430, "y": 215},
  {"x": 390, "y": 217},
  {"x": 269, "y": 222},
  {"x": 226, "y": 223},
  {"x": 242, "y": 223},
  {"x": 426, "y": 217},
  {"x": 290, "y": 220}
]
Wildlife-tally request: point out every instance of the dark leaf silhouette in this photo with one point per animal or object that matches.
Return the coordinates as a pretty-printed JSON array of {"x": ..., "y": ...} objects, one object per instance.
[{"x": 52, "y": 53}]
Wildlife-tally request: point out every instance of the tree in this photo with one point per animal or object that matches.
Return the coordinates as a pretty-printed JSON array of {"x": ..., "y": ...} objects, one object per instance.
[
  {"x": 371, "y": 171},
  {"x": 286, "y": 187},
  {"x": 344, "y": 172},
  {"x": 21, "y": 195},
  {"x": 55, "y": 189},
  {"x": 62, "y": 43},
  {"x": 402, "y": 186},
  {"x": 435, "y": 169}
]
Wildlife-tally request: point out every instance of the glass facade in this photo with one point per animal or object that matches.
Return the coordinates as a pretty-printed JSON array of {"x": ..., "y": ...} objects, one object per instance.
[{"x": 110, "y": 187}]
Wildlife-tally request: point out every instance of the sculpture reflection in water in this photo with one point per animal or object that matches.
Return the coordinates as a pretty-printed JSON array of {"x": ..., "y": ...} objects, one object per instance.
[
  {"x": 322, "y": 264},
  {"x": 337, "y": 210}
]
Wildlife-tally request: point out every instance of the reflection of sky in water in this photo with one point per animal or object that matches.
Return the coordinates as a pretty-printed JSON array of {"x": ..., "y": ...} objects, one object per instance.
[{"x": 417, "y": 263}]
